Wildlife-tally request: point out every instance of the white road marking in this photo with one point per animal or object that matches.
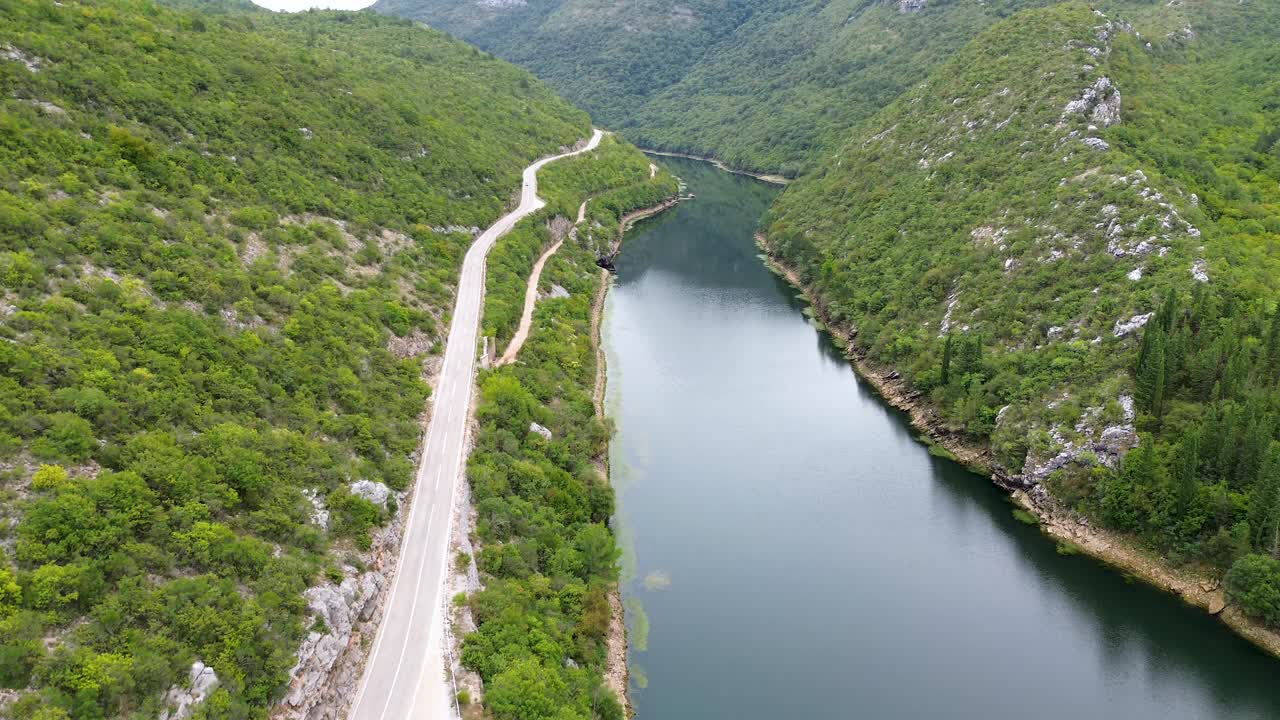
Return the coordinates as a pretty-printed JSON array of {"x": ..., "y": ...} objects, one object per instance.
[
  {"x": 459, "y": 359},
  {"x": 413, "y": 609}
]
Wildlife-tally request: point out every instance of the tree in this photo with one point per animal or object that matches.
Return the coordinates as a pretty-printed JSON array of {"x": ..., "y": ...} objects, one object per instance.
[
  {"x": 1273, "y": 345},
  {"x": 67, "y": 436},
  {"x": 1150, "y": 374},
  {"x": 1264, "y": 506},
  {"x": 599, "y": 553},
  {"x": 526, "y": 690},
  {"x": 1254, "y": 583},
  {"x": 1186, "y": 478}
]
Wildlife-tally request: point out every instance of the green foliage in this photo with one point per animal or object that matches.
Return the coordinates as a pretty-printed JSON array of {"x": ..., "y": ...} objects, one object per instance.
[
  {"x": 762, "y": 84},
  {"x": 542, "y": 506},
  {"x": 215, "y": 224},
  {"x": 1204, "y": 485},
  {"x": 977, "y": 245},
  {"x": 48, "y": 477},
  {"x": 1254, "y": 583},
  {"x": 958, "y": 237},
  {"x": 613, "y": 180}
]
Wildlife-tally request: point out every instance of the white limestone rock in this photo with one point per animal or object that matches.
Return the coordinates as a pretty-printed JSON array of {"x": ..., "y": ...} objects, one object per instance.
[
  {"x": 1099, "y": 103},
  {"x": 1200, "y": 271},
  {"x": 33, "y": 63},
  {"x": 1124, "y": 327},
  {"x": 374, "y": 492},
  {"x": 319, "y": 513},
  {"x": 181, "y": 702}
]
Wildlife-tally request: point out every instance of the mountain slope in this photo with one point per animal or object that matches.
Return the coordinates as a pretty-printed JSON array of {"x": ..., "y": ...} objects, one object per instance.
[
  {"x": 227, "y": 247},
  {"x": 761, "y": 85},
  {"x": 797, "y": 75},
  {"x": 1065, "y": 241},
  {"x": 608, "y": 57}
]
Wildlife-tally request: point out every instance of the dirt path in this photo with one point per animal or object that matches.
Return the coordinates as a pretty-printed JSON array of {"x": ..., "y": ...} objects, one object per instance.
[
  {"x": 404, "y": 674},
  {"x": 530, "y": 300},
  {"x": 616, "y": 673},
  {"x": 531, "y": 294}
]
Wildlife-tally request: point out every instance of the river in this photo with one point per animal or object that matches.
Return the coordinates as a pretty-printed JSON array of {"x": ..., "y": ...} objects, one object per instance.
[{"x": 791, "y": 551}]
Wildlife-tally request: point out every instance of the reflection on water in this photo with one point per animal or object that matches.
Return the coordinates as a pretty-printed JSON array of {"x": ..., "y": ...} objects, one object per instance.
[{"x": 807, "y": 558}]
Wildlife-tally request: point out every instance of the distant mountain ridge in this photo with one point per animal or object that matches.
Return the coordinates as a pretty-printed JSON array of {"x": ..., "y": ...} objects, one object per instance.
[{"x": 761, "y": 84}]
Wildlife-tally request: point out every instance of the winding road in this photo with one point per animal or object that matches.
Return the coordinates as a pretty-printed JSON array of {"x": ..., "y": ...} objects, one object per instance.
[{"x": 404, "y": 674}]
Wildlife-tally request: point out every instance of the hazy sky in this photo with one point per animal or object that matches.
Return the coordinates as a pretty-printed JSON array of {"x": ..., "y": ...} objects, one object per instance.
[{"x": 295, "y": 5}]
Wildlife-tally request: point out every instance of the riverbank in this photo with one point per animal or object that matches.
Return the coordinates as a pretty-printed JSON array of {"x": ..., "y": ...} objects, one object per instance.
[
  {"x": 1074, "y": 533},
  {"x": 635, "y": 216},
  {"x": 617, "y": 671},
  {"x": 719, "y": 164}
]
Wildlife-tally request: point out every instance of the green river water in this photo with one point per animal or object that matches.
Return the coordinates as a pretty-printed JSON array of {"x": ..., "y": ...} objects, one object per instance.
[{"x": 794, "y": 552}]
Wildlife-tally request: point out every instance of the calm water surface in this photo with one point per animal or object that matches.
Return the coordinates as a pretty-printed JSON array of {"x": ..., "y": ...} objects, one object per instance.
[{"x": 798, "y": 555}]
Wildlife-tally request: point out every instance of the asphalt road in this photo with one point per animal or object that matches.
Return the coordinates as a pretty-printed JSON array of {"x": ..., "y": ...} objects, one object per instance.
[{"x": 404, "y": 675}]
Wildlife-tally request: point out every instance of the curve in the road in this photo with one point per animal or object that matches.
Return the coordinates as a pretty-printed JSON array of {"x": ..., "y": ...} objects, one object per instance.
[{"x": 404, "y": 673}]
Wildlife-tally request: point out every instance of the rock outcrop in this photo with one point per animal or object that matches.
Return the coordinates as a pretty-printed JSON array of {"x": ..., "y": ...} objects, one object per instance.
[
  {"x": 33, "y": 63},
  {"x": 1200, "y": 271},
  {"x": 1124, "y": 327},
  {"x": 326, "y": 677},
  {"x": 374, "y": 492},
  {"x": 1099, "y": 102},
  {"x": 335, "y": 609},
  {"x": 181, "y": 702}
]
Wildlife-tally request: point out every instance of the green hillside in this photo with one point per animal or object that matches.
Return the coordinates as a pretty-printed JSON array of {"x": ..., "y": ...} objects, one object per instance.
[
  {"x": 1066, "y": 240},
  {"x": 227, "y": 242},
  {"x": 607, "y": 57},
  {"x": 761, "y": 85},
  {"x": 794, "y": 78}
]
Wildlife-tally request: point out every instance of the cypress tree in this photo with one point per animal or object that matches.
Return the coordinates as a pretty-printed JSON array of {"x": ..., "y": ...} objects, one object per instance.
[
  {"x": 1257, "y": 439},
  {"x": 1273, "y": 345},
  {"x": 1264, "y": 520},
  {"x": 1167, "y": 317},
  {"x": 1150, "y": 375},
  {"x": 1186, "y": 467}
]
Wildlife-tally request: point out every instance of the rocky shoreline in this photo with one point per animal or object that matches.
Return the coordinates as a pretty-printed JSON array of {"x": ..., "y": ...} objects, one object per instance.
[
  {"x": 631, "y": 218},
  {"x": 1064, "y": 526}
]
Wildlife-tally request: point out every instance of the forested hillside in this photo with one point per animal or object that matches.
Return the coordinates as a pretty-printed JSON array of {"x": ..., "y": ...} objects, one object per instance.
[
  {"x": 228, "y": 244},
  {"x": 761, "y": 84},
  {"x": 1065, "y": 240}
]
